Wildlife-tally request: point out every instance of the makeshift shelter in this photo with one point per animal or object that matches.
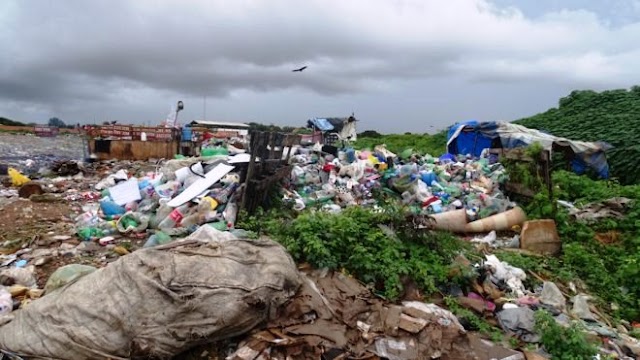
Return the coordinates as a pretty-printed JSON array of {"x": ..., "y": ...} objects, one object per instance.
[
  {"x": 334, "y": 128},
  {"x": 472, "y": 137},
  {"x": 225, "y": 129}
]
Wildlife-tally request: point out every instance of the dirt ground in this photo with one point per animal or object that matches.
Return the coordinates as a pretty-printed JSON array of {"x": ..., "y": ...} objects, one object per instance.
[{"x": 23, "y": 220}]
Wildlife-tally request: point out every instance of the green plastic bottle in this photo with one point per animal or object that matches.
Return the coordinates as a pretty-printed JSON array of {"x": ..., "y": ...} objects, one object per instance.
[
  {"x": 219, "y": 225},
  {"x": 89, "y": 233}
]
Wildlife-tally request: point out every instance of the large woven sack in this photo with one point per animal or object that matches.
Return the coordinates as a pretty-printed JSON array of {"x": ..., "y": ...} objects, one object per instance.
[{"x": 158, "y": 302}]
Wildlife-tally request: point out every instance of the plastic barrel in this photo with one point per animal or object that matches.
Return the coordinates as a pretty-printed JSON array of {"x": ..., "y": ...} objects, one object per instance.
[{"x": 186, "y": 133}]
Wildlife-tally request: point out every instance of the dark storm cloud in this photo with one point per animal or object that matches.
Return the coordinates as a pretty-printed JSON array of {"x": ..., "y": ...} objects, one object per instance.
[{"x": 97, "y": 55}]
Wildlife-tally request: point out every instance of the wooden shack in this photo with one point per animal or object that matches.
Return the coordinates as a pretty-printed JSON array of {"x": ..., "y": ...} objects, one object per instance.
[{"x": 127, "y": 142}]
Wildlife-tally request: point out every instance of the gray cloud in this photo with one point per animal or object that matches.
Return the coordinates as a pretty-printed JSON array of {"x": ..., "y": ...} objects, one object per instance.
[{"x": 131, "y": 59}]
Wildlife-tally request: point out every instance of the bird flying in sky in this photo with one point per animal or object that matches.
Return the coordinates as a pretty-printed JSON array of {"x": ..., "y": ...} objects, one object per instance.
[{"x": 299, "y": 70}]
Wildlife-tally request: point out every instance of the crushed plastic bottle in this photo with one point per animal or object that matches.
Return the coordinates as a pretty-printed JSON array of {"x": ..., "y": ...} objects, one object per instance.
[{"x": 159, "y": 238}]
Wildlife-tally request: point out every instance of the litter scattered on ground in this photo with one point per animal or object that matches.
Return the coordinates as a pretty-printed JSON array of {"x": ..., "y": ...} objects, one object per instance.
[{"x": 589, "y": 213}]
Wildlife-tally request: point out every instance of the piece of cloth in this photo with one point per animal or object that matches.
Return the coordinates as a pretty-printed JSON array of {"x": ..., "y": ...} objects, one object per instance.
[{"x": 519, "y": 321}]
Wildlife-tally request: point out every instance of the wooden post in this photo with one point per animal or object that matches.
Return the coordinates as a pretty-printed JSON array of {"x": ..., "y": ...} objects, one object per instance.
[
  {"x": 252, "y": 162},
  {"x": 547, "y": 177}
]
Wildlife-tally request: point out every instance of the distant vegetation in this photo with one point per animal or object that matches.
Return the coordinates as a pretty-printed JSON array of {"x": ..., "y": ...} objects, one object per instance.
[
  {"x": 271, "y": 127},
  {"x": 9, "y": 122},
  {"x": 420, "y": 143},
  {"x": 612, "y": 116}
]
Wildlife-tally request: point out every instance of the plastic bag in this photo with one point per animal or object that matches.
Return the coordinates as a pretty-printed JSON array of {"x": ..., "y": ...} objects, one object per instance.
[
  {"x": 66, "y": 275},
  {"x": 132, "y": 222},
  {"x": 17, "y": 179}
]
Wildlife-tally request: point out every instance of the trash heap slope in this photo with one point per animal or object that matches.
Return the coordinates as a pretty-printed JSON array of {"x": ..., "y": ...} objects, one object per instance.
[{"x": 609, "y": 116}]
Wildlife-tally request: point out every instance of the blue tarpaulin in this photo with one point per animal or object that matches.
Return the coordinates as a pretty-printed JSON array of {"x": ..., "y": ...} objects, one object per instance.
[
  {"x": 472, "y": 137},
  {"x": 321, "y": 124}
]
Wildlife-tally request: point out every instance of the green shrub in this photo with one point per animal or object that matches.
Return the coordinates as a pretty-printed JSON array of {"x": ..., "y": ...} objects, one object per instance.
[
  {"x": 354, "y": 242},
  {"x": 563, "y": 343}
]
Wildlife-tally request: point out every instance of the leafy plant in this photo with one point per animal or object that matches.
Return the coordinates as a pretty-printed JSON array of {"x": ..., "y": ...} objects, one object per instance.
[
  {"x": 563, "y": 343},
  {"x": 354, "y": 241},
  {"x": 610, "y": 270},
  {"x": 422, "y": 143}
]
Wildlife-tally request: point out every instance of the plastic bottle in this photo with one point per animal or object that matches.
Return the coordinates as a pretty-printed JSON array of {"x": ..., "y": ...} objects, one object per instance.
[
  {"x": 109, "y": 208},
  {"x": 230, "y": 213},
  {"x": 429, "y": 177},
  {"x": 175, "y": 217},
  {"x": 89, "y": 233},
  {"x": 6, "y": 302},
  {"x": 223, "y": 196},
  {"x": 132, "y": 206},
  {"x": 163, "y": 211},
  {"x": 128, "y": 222},
  {"x": 159, "y": 238},
  {"x": 108, "y": 227}
]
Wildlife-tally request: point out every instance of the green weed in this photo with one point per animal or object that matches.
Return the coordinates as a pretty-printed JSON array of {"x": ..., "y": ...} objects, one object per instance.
[{"x": 563, "y": 343}]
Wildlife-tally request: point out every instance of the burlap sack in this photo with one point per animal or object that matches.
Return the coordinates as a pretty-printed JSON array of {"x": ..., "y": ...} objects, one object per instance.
[{"x": 158, "y": 302}]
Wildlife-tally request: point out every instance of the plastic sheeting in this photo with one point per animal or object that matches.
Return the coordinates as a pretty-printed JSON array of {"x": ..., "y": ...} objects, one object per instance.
[{"x": 472, "y": 137}]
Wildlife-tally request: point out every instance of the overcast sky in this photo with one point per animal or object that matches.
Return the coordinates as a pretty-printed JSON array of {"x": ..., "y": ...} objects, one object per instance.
[{"x": 400, "y": 65}]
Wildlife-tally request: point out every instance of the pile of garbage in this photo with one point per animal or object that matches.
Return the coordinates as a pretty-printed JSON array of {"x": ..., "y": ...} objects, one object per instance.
[
  {"x": 209, "y": 283},
  {"x": 496, "y": 292},
  {"x": 174, "y": 200},
  {"x": 456, "y": 190}
]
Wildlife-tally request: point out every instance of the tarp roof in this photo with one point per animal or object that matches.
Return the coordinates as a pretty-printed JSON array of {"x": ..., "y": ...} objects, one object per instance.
[{"x": 513, "y": 136}]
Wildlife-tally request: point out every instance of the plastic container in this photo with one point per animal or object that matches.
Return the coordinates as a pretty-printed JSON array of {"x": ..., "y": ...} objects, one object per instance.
[{"x": 187, "y": 133}]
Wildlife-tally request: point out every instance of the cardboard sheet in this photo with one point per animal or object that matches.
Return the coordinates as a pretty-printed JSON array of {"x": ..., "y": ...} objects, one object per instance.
[{"x": 125, "y": 192}]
